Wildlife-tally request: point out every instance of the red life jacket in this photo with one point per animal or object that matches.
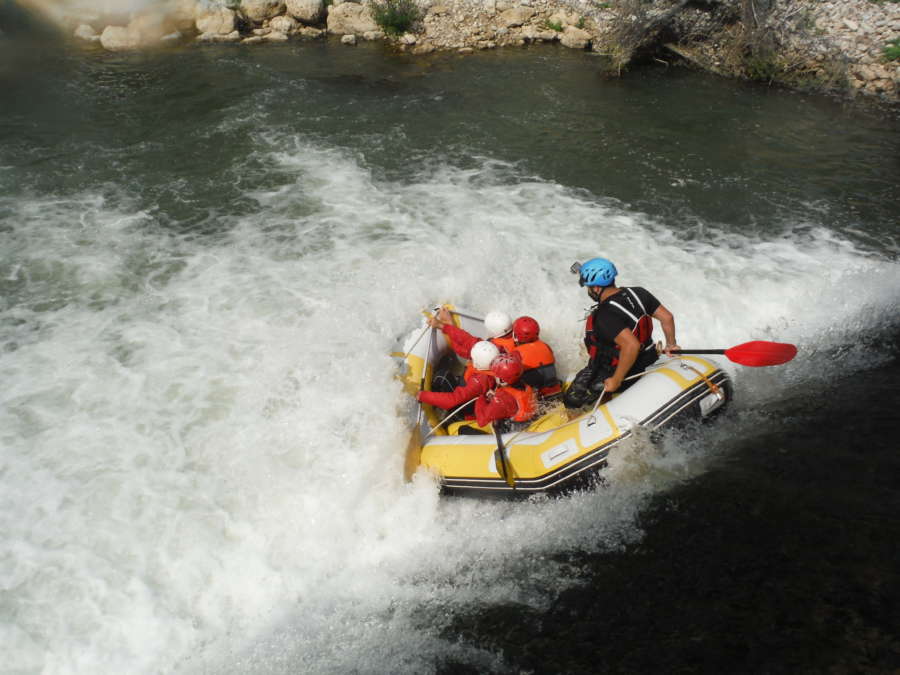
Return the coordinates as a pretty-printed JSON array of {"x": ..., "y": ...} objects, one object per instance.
[
  {"x": 641, "y": 327},
  {"x": 526, "y": 400}
]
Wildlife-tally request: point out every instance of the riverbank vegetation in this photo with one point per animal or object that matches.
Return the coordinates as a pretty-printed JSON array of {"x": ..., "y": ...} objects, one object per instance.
[
  {"x": 734, "y": 38},
  {"x": 395, "y": 17}
]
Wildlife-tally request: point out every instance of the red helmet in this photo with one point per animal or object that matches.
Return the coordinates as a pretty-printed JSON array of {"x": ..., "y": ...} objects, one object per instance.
[
  {"x": 507, "y": 368},
  {"x": 525, "y": 329}
]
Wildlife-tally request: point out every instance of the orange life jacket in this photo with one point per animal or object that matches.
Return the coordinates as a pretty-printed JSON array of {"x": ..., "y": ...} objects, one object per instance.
[
  {"x": 525, "y": 400},
  {"x": 505, "y": 343},
  {"x": 538, "y": 358},
  {"x": 471, "y": 370},
  {"x": 535, "y": 354}
]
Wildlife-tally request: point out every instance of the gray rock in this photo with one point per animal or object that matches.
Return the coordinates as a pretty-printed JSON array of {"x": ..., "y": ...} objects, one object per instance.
[
  {"x": 119, "y": 38},
  {"x": 215, "y": 21},
  {"x": 258, "y": 11},
  {"x": 284, "y": 24},
  {"x": 85, "y": 32},
  {"x": 575, "y": 38},
  {"x": 307, "y": 11},
  {"x": 515, "y": 17},
  {"x": 233, "y": 36},
  {"x": 350, "y": 18},
  {"x": 310, "y": 32}
]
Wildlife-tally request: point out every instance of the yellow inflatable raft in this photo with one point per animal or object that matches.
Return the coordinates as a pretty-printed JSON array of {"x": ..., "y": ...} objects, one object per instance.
[{"x": 554, "y": 453}]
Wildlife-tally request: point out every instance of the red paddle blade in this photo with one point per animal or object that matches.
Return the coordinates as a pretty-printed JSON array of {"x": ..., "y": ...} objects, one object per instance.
[{"x": 761, "y": 353}]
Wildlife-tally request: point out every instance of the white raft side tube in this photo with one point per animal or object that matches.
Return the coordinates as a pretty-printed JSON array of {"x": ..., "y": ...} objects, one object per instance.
[
  {"x": 659, "y": 386},
  {"x": 653, "y": 390}
]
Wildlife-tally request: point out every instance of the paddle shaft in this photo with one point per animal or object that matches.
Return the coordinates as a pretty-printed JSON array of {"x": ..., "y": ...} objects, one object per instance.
[
  {"x": 424, "y": 374},
  {"x": 697, "y": 351},
  {"x": 500, "y": 459}
]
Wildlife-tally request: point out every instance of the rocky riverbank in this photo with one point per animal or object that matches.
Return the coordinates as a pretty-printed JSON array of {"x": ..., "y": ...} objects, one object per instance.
[{"x": 836, "y": 44}]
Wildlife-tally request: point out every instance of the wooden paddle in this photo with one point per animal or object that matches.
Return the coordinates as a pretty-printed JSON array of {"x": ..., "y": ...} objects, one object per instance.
[{"x": 754, "y": 354}]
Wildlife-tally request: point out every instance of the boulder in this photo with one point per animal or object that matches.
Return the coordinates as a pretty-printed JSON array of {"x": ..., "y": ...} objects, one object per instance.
[
  {"x": 310, "y": 33},
  {"x": 350, "y": 18},
  {"x": 532, "y": 34},
  {"x": 216, "y": 21},
  {"x": 258, "y": 11},
  {"x": 306, "y": 11},
  {"x": 564, "y": 18},
  {"x": 515, "y": 16},
  {"x": 86, "y": 32},
  {"x": 575, "y": 38},
  {"x": 233, "y": 36},
  {"x": 284, "y": 24},
  {"x": 182, "y": 14},
  {"x": 119, "y": 38},
  {"x": 348, "y": 40}
]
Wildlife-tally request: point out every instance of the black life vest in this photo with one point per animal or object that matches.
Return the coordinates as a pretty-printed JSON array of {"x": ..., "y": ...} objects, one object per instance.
[{"x": 632, "y": 311}]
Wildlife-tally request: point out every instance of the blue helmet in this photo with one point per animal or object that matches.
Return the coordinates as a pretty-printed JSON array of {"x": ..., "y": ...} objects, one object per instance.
[{"x": 597, "y": 272}]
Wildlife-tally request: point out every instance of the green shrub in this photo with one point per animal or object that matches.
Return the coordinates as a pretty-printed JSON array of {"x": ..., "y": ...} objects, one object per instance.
[
  {"x": 581, "y": 23},
  {"x": 395, "y": 17},
  {"x": 554, "y": 25},
  {"x": 892, "y": 50}
]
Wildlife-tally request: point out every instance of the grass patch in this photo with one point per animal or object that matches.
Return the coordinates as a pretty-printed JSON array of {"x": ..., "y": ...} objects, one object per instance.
[
  {"x": 892, "y": 50},
  {"x": 554, "y": 25},
  {"x": 395, "y": 17}
]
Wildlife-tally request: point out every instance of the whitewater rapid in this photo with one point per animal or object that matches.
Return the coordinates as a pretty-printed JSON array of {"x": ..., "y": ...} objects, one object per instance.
[{"x": 202, "y": 435}]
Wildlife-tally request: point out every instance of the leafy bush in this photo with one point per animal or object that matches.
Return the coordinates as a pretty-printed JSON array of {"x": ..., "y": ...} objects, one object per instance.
[
  {"x": 395, "y": 17},
  {"x": 892, "y": 50},
  {"x": 554, "y": 25}
]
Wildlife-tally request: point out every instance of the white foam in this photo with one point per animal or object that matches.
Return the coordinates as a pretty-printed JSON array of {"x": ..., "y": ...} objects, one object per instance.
[{"x": 202, "y": 439}]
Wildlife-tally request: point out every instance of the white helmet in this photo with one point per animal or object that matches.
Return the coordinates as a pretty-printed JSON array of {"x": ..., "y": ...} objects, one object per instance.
[
  {"x": 497, "y": 324},
  {"x": 483, "y": 353}
]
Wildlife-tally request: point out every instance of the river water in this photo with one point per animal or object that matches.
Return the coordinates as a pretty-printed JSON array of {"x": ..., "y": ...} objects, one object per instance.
[{"x": 207, "y": 254}]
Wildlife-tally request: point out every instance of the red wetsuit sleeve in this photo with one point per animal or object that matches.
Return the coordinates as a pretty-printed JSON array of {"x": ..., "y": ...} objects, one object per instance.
[
  {"x": 461, "y": 341},
  {"x": 477, "y": 385},
  {"x": 499, "y": 407}
]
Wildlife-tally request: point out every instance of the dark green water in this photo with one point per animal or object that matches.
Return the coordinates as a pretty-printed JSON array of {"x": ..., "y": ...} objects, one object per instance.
[{"x": 694, "y": 150}]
